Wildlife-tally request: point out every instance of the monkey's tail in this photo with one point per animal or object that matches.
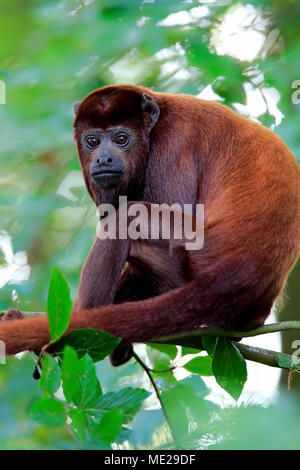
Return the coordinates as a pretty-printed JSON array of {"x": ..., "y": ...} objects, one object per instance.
[
  {"x": 134, "y": 321},
  {"x": 208, "y": 301}
]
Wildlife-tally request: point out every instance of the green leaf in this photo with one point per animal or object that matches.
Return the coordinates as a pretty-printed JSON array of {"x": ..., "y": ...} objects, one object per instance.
[
  {"x": 51, "y": 374},
  {"x": 200, "y": 365},
  {"x": 187, "y": 350},
  {"x": 88, "y": 386},
  {"x": 48, "y": 411},
  {"x": 229, "y": 367},
  {"x": 169, "y": 349},
  {"x": 286, "y": 362},
  {"x": 176, "y": 411},
  {"x": 162, "y": 363},
  {"x": 209, "y": 344},
  {"x": 110, "y": 425},
  {"x": 124, "y": 435},
  {"x": 70, "y": 372},
  {"x": 197, "y": 383},
  {"x": 58, "y": 305},
  {"x": 142, "y": 434},
  {"x": 80, "y": 424},
  {"x": 96, "y": 343},
  {"x": 185, "y": 396},
  {"x": 128, "y": 399}
]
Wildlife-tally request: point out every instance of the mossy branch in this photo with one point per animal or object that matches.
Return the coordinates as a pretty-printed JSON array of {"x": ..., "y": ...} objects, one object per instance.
[{"x": 250, "y": 353}]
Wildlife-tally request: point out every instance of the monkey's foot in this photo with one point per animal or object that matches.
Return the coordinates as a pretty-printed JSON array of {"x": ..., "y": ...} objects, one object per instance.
[
  {"x": 121, "y": 354},
  {"x": 12, "y": 314}
]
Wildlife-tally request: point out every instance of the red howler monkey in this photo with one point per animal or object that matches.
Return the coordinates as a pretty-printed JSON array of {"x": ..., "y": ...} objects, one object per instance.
[{"x": 164, "y": 148}]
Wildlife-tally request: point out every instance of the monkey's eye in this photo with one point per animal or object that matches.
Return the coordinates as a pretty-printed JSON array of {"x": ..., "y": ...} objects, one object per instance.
[
  {"x": 92, "y": 141},
  {"x": 121, "y": 139}
]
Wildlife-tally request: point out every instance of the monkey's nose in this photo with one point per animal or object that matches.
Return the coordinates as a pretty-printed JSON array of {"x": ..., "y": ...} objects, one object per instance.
[
  {"x": 107, "y": 169},
  {"x": 108, "y": 160}
]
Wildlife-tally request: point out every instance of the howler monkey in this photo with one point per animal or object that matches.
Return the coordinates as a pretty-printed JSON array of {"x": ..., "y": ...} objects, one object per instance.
[{"x": 160, "y": 148}]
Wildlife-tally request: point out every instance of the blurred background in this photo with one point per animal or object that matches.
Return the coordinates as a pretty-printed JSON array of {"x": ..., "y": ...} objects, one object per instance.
[{"x": 52, "y": 53}]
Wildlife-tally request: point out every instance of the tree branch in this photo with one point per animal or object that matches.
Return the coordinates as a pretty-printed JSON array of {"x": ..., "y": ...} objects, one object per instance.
[
  {"x": 264, "y": 356},
  {"x": 271, "y": 328}
]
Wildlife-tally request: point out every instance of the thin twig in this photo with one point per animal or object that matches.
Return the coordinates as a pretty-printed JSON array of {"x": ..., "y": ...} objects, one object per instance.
[
  {"x": 154, "y": 371},
  {"x": 147, "y": 370},
  {"x": 271, "y": 328},
  {"x": 72, "y": 434}
]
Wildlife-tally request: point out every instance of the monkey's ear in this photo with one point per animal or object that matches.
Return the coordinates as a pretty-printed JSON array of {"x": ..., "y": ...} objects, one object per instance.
[
  {"x": 152, "y": 110},
  {"x": 76, "y": 106}
]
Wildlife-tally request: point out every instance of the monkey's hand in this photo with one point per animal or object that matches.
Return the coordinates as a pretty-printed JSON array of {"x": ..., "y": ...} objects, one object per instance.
[{"x": 121, "y": 354}]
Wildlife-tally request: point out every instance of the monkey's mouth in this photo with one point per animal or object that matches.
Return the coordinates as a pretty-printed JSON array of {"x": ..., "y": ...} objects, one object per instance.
[{"x": 107, "y": 177}]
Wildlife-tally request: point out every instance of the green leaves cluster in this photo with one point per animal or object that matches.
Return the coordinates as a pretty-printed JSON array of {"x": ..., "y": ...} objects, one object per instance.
[
  {"x": 185, "y": 401},
  {"x": 224, "y": 361},
  {"x": 73, "y": 396}
]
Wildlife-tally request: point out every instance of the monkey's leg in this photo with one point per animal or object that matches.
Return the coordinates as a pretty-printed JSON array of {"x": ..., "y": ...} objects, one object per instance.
[
  {"x": 142, "y": 280},
  {"x": 135, "y": 284}
]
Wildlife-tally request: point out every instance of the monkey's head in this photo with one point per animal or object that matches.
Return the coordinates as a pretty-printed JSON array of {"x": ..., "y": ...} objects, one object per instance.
[{"x": 112, "y": 128}]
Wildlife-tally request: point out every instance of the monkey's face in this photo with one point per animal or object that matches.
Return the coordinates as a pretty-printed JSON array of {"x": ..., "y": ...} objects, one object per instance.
[
  {"x": 108, "y": 151},
  {"x": 112, "y": 130}
]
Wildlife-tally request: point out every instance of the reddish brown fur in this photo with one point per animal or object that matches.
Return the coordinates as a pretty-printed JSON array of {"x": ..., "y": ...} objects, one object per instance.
[{"x": 199, "y": 152}]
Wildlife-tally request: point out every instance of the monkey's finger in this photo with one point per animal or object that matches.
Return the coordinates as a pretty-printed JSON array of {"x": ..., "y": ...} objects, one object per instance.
[{"x": 12, "y": 314}]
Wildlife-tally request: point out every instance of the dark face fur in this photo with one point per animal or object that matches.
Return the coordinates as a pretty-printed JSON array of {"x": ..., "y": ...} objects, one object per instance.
[{"x": 112, "y": 128}]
